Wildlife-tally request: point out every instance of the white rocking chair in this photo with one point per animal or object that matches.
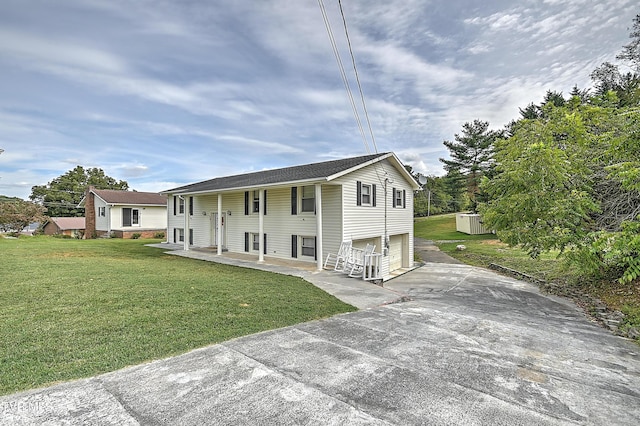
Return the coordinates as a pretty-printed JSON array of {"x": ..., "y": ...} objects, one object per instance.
[
  {"x": 338, "y": 259},
  {"x": 355, "y": 264}
]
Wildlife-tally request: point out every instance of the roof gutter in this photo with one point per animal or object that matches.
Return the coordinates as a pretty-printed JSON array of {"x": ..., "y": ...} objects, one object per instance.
[{"x": 245, "y": 188}]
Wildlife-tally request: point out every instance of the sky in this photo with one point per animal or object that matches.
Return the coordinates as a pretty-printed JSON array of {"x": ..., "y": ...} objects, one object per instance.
[{"x": 162, "y": 93}]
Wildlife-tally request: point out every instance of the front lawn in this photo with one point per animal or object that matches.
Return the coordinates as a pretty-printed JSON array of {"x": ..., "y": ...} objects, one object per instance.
[{"x": 76, "y": 308}]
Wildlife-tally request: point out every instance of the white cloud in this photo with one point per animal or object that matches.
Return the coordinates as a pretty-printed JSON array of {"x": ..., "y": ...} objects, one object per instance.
[
  {"x": 45, "y": 52},
  {"x": 162, "y": 93}
]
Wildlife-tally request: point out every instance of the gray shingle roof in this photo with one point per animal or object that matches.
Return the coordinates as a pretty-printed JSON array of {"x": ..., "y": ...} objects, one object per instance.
[
  {"x": 113, "y": 196},
  {"x": 270, "y": 177}
]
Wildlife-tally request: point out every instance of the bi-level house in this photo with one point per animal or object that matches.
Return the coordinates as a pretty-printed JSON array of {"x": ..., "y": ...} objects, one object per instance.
[
  {"x": 301, "y": 213},
  {"x": 123, "y": 214}
]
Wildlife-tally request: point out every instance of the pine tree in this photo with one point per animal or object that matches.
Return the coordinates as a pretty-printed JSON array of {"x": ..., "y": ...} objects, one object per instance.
[{"x": 472, "y": 155}]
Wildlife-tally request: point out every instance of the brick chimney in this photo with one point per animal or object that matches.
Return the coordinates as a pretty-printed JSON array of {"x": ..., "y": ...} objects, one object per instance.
[{"x": 89, "y": 214}]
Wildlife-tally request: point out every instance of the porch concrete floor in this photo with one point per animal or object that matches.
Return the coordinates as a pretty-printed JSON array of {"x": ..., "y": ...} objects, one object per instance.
[
  {"x": 253, "y": 258},
  {"x": 354, "y": 291}
]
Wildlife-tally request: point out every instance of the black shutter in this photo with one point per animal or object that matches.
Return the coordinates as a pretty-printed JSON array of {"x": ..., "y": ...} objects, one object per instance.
[
  {"x": 126, "y": 216},
  {"x": 394, "y": 197},
  {"x": 373, "y": 196},
  {"x": 264, "y": 200},
  {"x": 404, "y": 199},
  {"x": 265, "y": 243},
  {"x": 175, "y": 239},
  {"x": 358, "y": 193},
  {"x": 294, "y": 200},
  {"x": 246, "y": 241},
  {"x": 315, "y": 248},
  {"x": 191, "y": 236},
  {"x": 246, "y": 203},
  {"x": 190, "y": 206},
  {"x": 175, "y": 206},
  {"x": 294, "y": 246}
]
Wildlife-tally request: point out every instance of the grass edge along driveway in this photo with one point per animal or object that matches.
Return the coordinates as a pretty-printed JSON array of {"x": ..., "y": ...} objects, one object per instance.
[{"x": 76, "y": 308}]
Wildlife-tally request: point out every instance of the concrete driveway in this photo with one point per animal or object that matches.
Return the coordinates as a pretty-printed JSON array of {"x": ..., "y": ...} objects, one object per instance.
[{"x": 470, "y": 348}]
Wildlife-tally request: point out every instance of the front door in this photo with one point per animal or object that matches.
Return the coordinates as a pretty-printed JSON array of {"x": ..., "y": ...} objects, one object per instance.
[{"x": 215, "y": 230}]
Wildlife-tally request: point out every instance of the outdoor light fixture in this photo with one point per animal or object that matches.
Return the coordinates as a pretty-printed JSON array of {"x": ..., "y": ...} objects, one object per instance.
[
  {"x": 204, "y": 213},
  {"x": 228, "y": 212}
]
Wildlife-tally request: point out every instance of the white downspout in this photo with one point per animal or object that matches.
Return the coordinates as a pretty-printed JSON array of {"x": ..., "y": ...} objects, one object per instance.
[
  {"x": 168, "y": 218},
  {"x": 219, "y": 225},
  {"x": 108, "y": 214},
  {"x": 319, "y": 263}
]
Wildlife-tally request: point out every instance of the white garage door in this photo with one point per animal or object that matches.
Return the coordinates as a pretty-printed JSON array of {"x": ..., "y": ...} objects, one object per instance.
[{"x": 395, "y": 252}]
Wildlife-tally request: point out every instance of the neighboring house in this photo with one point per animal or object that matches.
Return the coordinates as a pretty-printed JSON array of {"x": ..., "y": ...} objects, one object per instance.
[
  {"x": 302, "y": 213},
  {"x": 71, "y": 226},
  {"x": 122, "y": 214}
]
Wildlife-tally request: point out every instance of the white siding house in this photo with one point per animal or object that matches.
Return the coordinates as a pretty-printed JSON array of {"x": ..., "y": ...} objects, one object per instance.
[
  {"x": 124, "y": 213},
  {"x": 303, "y": 212}
]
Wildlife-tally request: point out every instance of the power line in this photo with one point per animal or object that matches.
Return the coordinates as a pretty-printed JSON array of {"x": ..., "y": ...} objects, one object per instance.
[
  {"x": 343, "y": 75},
  {"x": 355, "y": 70},
  {"x": 348, "y": 88}
]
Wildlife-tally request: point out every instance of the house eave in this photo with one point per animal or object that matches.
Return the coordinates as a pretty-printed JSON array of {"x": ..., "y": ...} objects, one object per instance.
[
  {"x": 359, "y": 166},
  {"x": 136, "y": 204},
  {"x": 249, "y": 187}
]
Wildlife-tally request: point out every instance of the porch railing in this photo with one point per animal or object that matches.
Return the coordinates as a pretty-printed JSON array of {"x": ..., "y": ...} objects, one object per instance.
[{"x": 372, "y": 267}]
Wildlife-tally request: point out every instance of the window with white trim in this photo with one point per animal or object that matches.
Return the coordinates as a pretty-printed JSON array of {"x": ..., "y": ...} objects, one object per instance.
[
  {"x": 256, "y": 201},
  {"x": 181, "y": 205},
  {"x": 308, "y": 246},
  {"x": 399, "y": 198},
  {"x": 180, "y": 234},
  {"x": 308, "y": 199},
  {"x": 130, "y": 217},
  {"x": 102, "y": 211},
  {"x": 365, "y": 196},
  {"x": 255, "y": 242}
]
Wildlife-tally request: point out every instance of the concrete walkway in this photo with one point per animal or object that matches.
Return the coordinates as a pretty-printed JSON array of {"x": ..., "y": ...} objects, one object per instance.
[
  {"x": 354, "y": 291},
  {"x": 470, "y": 348}
]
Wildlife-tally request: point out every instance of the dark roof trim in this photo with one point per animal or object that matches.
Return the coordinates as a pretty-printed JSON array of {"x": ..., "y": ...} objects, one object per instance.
[{"x": 315, "y": 172}]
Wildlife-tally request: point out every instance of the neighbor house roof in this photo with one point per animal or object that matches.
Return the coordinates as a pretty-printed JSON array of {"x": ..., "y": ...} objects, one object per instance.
[
  {"x": 66, "y": 223},
  {"x": 326, "y": 170},
  {"x": 111, "y": 196}
]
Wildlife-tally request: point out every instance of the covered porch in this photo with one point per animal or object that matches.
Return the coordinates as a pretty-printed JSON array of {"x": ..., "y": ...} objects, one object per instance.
[{"x": 359, "y": 293}]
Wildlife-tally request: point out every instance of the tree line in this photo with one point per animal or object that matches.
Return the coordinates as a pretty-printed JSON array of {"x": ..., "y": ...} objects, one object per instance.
[
  {"x": 58, "y": 198},
  {"x": 565, "y": 175}
]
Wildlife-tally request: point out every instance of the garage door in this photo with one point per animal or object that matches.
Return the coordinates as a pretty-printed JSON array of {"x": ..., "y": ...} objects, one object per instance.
[{"x": 395, "y": 252}]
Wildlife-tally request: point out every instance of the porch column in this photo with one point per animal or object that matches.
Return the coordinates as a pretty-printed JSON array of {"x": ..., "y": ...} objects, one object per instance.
[
  {"x": 319, "y": 262},
  {"x": 219, "y": 226},
  {"x": 168, "y": 240},
  {"x": 261, "y": 226},
  {"x": 186, "y": 223}
]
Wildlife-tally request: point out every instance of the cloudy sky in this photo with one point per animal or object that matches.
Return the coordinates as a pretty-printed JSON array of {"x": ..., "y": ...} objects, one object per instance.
[{"x": 166, "y": 92}]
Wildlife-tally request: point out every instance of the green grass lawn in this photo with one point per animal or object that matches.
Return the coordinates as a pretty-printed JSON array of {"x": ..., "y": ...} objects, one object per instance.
[
  {"x": 485, "y": 249},
  {"x": 76, "y": 308}
]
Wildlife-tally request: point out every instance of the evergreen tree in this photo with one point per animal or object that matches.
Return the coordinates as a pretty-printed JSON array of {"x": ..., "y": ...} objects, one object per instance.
[{"x": 472, "y": 155}]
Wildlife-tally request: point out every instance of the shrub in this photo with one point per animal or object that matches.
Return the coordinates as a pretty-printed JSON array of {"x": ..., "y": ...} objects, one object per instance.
[
  {"x": 136, "y": 235},
  {"x": 158, "y": 235}
]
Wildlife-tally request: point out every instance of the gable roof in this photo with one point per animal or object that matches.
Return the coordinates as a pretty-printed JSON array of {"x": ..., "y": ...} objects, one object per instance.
[
  {"x": 326, "y": 170},
  {"x": 112, "y": 196},
  {"x": 66, "y": 223}
]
